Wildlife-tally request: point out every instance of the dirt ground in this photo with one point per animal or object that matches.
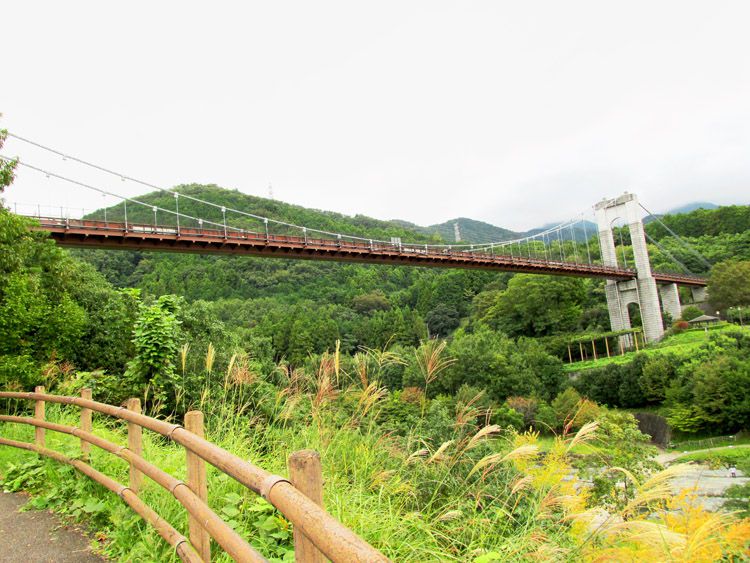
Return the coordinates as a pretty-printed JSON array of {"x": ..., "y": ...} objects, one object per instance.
[{"x": 38, "y": 537}]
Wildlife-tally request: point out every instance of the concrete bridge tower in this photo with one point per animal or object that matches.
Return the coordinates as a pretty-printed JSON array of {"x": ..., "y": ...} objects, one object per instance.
[{"x": 642, "y": 290}]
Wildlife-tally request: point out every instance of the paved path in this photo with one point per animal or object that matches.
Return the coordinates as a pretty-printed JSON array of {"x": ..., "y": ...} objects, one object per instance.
[
  {"x": 665, "y": 458},
  {"x": 37, "y": 536},
  {"x": 710, "y": 484}
]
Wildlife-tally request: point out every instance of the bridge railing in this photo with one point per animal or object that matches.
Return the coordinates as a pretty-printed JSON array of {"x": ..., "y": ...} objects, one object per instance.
[
  {"x": 234, "y": 235},
  {"x": 317, "y": 535}
]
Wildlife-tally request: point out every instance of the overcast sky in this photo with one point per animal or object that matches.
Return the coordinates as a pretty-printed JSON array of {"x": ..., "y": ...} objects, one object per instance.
[{"x": 515, "y": 113}]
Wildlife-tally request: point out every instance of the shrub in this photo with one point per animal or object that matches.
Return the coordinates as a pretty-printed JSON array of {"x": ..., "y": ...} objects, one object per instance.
[
  {"x": 507, "y": 417},
  {"x": 505, "y": 368},
  {"x": 680, "y": 326},
  {"x": 545, "y": 419},
  {"x": 19, "y": 372},
  {"x": 624, "y": 447},
  {"x": 601, "y": 385},
  {"x": 565, "y": 407},
  {"x": 629, "y": 393},
  {"x": 690, "y": 312},
  {"x": 524, "y": 406},
  {"x": 657, "y": 374}
]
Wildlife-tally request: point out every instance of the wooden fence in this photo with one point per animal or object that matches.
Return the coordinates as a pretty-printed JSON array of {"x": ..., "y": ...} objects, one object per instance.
[{"x": 317, "y": 535}]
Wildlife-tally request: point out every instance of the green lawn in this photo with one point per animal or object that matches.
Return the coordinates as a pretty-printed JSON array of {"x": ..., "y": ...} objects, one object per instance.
[
  {"x": 684, "y": 444},
  {"x": 722, "y": 457},
  {"x": 678, "y": 344}
]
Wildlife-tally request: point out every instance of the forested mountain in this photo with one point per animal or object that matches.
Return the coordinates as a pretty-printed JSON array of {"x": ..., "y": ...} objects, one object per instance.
[
  {"x": 359, "y": 225},
  {"x": 579, "y": 231},
  {"x": 716, "y": 234},
  {"x": 302, "y": 346},
  {"x": 727, "y": 220},
  {"x": 471, "y": 231},
  {"x": 303, "y": 306},
  {"x": 688, "y": 207},
  {"x": 479, "y": 232}
]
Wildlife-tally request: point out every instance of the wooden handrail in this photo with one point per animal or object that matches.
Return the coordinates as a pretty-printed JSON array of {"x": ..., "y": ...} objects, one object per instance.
[
  {"x": 327, "y": 534},
  {"x": 225, "y": 536}
]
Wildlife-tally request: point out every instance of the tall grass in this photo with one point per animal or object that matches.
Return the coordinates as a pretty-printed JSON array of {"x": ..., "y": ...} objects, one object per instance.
[{"x": 484, "y": 494}]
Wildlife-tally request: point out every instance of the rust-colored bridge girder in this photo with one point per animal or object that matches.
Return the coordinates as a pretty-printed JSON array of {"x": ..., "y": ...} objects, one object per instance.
[{"x": 132, "y": 236}]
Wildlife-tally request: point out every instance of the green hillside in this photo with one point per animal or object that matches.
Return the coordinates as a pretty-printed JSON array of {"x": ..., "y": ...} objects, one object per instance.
[
  {"x": 364, "y": 305},
  {"x": 283, "y": 355},
  {"x": 359, "y": 225},
  {"x": 717, "y": 234},
  {"x": 471, "y": 231}
]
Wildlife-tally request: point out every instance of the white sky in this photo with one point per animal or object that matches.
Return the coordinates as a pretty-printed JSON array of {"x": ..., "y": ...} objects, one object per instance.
[{"x": 516, "y": 113}]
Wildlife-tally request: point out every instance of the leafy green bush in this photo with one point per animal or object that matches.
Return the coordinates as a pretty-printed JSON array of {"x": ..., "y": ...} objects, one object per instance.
[
  {"x": 689, "y": 313},
  {"x": 505, "y": 368},
  {"x": 19, "y": 372}
]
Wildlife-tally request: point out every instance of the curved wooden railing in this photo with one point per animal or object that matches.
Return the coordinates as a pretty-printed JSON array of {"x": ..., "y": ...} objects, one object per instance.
[{"x": 317, "y": 534}]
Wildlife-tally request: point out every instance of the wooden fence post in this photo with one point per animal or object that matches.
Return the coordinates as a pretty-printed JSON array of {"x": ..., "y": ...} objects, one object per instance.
[
  {"x": 306, "y": 474},
  {"x": 85, "y": 424},
  {"x": 196, "y": 481},
  {"x": 39, "y": 415},
  {"x": 135, "y": 445}
]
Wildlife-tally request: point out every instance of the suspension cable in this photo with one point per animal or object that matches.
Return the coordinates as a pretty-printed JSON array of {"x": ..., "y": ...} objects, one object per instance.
[
  {"x": 123, "y": 198},
  {"x": 668, "y": 254},
  {"x": 468, "y": 247},
  {"x": 678, "y": 237},
  {"x": 622, "y": 247},
  {"x": 586, "y": 236},
  {"x": 575, "y": 246}
]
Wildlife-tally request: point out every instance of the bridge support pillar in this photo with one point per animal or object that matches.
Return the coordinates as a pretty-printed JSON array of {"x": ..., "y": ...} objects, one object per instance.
[
  {"x": 670, "y": 300},
  {"x": 619, "y": 318},
  {"x": 643, "y": 290},
  {"x": 700, "y": 295}
]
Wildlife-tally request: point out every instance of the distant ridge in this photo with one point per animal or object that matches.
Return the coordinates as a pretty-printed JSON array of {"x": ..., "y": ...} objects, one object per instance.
[
  {"x": 688, "y": 207},
  {"x": 471, "y": 231},
  {"x": 478, "y": 232}
]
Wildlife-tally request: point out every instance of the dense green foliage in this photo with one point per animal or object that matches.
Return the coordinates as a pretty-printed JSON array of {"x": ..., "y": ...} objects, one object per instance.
[
  {"x": 730, "y": 284},
  {"x": 446, "y": 489},
  {"x": 730, "y": 219},
  {"x": 284, "y": 355},
  {"x": 707, "y": 389},
  {"x": 471, "y": 231},
  {"x": 358, "y": 305}
]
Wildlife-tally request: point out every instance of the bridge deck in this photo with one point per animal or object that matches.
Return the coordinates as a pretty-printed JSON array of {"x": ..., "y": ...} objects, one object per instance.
[{"x": 131, "y": 236}]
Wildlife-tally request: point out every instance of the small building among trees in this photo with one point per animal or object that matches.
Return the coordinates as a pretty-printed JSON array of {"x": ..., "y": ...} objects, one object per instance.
[{"x": 704, "y": 320}]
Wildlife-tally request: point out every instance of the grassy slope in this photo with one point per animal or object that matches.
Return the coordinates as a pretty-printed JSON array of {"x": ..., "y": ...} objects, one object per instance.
[
  {"x": 368, "y": 484},
  {"x": 350, "y": 460},
  {"x": 677, "y": 344},
  {"x": 731, "y": 455}
]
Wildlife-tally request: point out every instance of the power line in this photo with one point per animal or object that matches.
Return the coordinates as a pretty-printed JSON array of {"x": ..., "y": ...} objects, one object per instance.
[
  {"x": 173, "y": 190},
  {"x": 124, "y": 198},
  {"x": 471, "y": 247}
]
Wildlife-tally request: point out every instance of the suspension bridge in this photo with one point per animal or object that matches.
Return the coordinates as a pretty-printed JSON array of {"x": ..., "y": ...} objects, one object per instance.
[{"x": 564, "y": 249}]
